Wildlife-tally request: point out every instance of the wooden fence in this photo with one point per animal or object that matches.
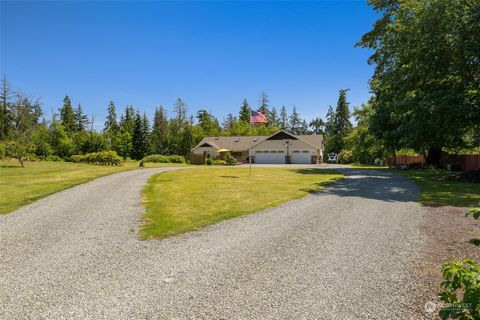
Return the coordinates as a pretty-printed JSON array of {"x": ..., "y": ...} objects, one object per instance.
[
  {"x": 197, "y": 158},
  {"x": 405, "y": 160},
  {"x": 467, "y": 162}
]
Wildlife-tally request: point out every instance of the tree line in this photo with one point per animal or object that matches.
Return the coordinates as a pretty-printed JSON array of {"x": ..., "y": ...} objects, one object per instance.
[{"x": 25, "y": 131}]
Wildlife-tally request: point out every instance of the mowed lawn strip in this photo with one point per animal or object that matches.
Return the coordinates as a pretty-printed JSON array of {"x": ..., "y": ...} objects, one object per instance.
[
  {"x": 186, "y": 200},
  {"x": 21, "y": 186},
  {"x": 437, "y": 190}
]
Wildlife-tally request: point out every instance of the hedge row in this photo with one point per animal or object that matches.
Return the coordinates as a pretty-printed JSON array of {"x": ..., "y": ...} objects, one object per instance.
[
  {"x": 104, "y": 158},
  {"x": 158, "y": 158}
]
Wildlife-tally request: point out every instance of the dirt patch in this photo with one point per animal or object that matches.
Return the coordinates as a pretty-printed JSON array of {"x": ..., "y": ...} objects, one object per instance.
[{"x": 447, "y": 232}]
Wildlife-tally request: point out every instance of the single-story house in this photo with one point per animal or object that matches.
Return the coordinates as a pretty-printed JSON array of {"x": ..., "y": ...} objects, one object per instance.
[{"x": 280, "y": 147}]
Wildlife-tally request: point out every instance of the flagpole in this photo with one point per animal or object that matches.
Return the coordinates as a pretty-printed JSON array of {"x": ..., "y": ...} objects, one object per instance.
[{"x": 250, "y": 134}]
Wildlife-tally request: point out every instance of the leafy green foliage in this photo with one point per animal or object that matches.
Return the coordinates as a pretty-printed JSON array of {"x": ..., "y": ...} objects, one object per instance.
[
  {"x": 158, "y": 158},
  {"x": 338, "y": 124},
  {"x": 102, "y": 158},
  {"x": 461, "y": 290},
  {"x": 209, "y": 161},
  {"x": 345, "y": 156},
  {"x": 229, "y": 160},
  {"x": 426, "y": 83},
  {"x": 364, "y": 145}
]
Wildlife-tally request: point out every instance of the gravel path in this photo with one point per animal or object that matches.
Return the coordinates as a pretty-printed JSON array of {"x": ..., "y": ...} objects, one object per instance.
[{"x": 344, "y": 253}]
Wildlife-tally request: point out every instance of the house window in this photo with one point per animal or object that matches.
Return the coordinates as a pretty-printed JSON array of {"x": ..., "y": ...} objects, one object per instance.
[
  {"x": 305, "y": 151},
  {"x": 296, "y": 151}
]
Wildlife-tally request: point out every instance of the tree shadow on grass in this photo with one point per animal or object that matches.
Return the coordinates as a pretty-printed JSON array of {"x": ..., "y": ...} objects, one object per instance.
[{"x": 369, "y": 184}]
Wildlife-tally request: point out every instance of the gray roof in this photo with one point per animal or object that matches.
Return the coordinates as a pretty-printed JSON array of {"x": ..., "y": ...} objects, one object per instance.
[{"x": 241, "y": 143}]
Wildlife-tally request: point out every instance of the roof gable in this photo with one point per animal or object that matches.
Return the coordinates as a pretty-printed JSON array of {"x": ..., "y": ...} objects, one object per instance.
[{"x": 282, "y": 135}]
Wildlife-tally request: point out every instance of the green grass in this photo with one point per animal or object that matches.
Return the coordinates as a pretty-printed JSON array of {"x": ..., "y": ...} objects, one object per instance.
[
  {"x": 21, "y": 186},
  {"x": 436, "y": 190},
  {"x": 186, "y": 200}
]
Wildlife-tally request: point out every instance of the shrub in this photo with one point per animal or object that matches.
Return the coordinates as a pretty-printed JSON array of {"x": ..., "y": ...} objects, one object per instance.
[
  {"x": 461, "y": 290},
  {"x": 231, "y": 161},
  {"x": 209, "y": 161},
  {"x": 158, "y": 158},
  {"x": 176, "y": 159},
  {"x": 461, "y": 285},
  {"x": 378, "y": 162},
  {"x": 53, "y": 158},
  {"x": 219, "y": 162},
  {"x": 102, "y": 158},
  {"x": 345, "y": 156}
]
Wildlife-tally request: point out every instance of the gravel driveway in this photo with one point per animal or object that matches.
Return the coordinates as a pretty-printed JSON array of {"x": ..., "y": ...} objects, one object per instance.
[{"x": 344, "y": 253}]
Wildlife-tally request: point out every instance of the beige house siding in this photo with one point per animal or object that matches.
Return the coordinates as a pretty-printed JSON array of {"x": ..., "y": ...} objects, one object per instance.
[
  {"x": 293, "y": 145},
  {"x": 200, "y": 150}
]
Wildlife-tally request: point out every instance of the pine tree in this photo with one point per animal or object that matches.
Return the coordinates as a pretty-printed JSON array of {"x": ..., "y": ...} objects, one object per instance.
[
  {"x": 317, "y": 126},
  {"x": 295, "y": 121},
  {"x": 273, "y": 118},
  {"x": 229, "y": 123},
  {"x": 186, "y": 142},
  {"x": 264, "y": 101},
  {"x": 283, "y": 118},
  {"x": 330, "y": 124},
  {"x": 304, "y": 127},
  {"x": 5, "y": 95},
  {"x": 67, "y": 116},
  {"x": 245, "y": 112},
  {"x": 81, "y": 119},
  {"x": 338, "y": 124},
  {"x": 180, "y": 111},
  {"x": 111, "y": 125},
  {"x": 159, "y": 135},
  {"x": 127, "y": 120},
  {"x": 140, "y": 136},
  {"x": 343, "y": 126}
]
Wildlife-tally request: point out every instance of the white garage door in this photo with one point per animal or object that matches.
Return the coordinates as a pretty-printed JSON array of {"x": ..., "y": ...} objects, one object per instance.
[
  {"x": 301, "y": 157},
  {"x": 269, "y": 156}
]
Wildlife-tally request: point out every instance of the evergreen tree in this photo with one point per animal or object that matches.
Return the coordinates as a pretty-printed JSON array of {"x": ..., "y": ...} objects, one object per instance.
[
  {"x": 330, "y": 124},
  {"x": 159, "y": 135},
  {"x": 263, "y": 103},
  {"x": 127, "y": 120},
  {"x": 245, "y": 112},
  {"x": 273, "y": 118},
  {"x": 140, "y": 136},
  {"x": 340, "y": 126},
  {"x": 317, "y": 126},
  {"x": 208, "y": 123},
  {"x": 295, "y": 121},
  {"x": 5, "y": 95},
  {"x": 304, "y": 127},
  {"x": 67, "y": 116},
  {"x": 229, "y": 123},
  {"x": 343, "y": 126},
  {"x": 81, "y": 119},
  {"x": 283, "y": 118},
  {"x": 186, "y": 141},
  {"x": 111, "y": 125},
  {"x": 180, "y": 111}
]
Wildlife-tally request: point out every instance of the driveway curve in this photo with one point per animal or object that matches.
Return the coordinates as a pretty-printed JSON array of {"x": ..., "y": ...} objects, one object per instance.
[{"x": 344, "y": 253}]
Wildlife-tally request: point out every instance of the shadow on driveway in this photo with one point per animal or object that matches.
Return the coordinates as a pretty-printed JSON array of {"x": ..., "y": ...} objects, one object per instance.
[{"x": 370, "y": 184}]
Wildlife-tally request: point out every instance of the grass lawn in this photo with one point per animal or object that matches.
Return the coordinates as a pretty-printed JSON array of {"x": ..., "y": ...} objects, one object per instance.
[
  {"x": 186, "y": 200},
  {"x": 21, "y": 186},
  {"x": 436, "y": 190}
]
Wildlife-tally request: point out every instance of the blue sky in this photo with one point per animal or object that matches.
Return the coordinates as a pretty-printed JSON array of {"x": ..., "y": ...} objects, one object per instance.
[{"x": 211, "y": 54}]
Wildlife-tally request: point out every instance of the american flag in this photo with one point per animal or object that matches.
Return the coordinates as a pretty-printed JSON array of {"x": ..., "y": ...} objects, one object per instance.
[{"x": 257, "y": 117}]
